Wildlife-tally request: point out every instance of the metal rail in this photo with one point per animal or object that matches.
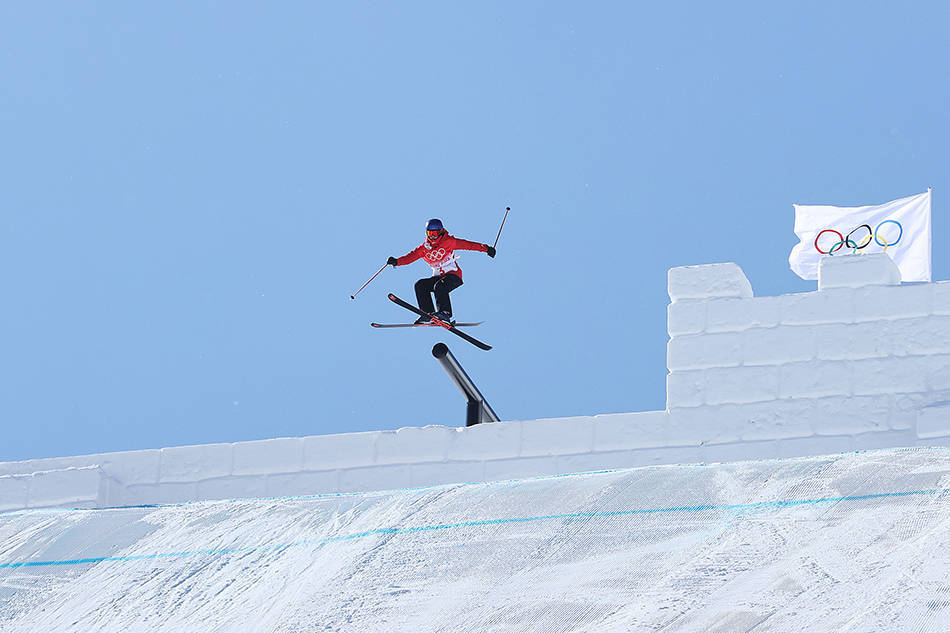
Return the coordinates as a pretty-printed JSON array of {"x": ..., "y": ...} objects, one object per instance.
[{"x": 477, "y": 409}]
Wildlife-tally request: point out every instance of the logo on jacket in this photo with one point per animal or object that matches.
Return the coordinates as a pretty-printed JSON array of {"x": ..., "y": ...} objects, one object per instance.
[{"x": 436, "y": 255}]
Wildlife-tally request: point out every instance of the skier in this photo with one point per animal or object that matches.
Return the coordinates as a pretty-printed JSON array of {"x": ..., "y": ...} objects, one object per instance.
[{"x": 439, "y": 252}]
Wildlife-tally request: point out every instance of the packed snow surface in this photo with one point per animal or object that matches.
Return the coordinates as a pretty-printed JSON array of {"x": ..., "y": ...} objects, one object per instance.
[{"x": 849, "y": 542}]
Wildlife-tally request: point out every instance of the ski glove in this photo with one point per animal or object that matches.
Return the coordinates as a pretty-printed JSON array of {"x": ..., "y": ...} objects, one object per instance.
[
  {"x": 490, "y": 250},
  {"x": 391, "y": 262}
]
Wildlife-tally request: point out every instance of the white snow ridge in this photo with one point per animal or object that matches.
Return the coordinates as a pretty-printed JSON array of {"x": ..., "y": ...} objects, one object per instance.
[{"x": 851, "y": 542}]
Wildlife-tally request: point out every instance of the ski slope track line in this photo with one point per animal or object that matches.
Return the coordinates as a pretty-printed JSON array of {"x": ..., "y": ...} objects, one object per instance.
[{"x": 847, "y": 542}]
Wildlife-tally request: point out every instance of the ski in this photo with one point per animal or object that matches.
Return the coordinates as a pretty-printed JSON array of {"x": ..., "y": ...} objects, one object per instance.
[
  {"x": 388, "y": 325},
  {"x": 448, "y": 326}
]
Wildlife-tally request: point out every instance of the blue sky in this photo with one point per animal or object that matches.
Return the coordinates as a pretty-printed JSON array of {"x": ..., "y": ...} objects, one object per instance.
[{"x": 192, "y": 190}]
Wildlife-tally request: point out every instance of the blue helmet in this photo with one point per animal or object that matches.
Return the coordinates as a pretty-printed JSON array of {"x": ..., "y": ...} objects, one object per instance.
[{"x": 435, "y": 224}]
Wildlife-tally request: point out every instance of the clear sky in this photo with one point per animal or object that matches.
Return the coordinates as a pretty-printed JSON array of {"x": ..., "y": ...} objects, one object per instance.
[{"x": 191, "y": 191}]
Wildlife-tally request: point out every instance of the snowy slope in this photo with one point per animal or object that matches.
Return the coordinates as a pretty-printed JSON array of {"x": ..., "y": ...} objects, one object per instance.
[{"x": 849, "y": 542}]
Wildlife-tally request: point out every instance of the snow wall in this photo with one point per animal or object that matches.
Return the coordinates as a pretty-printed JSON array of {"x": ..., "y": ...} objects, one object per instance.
[
  {"x": 856, "y": 541},
  {"x": 864, "y": 362}
]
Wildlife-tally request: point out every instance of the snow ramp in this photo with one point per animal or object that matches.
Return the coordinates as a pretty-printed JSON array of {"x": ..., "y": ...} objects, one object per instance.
[{"x": 847, "y": 542}]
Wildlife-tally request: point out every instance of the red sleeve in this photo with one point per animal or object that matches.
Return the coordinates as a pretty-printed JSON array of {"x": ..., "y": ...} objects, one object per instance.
[
  {"x": 465, "y": 245},
  {"x": 410, "y": 257}
]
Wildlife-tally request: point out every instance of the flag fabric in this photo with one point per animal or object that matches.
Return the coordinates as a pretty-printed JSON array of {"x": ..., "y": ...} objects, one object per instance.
[{"x": 900, "y": 228}]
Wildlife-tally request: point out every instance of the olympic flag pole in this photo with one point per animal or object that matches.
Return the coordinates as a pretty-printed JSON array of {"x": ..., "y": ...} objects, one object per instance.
[
  {"x": 507, "y": 209},
  {"x": 353, "y": 296}
]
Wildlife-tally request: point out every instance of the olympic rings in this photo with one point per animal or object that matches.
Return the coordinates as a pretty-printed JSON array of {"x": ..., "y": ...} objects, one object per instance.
[{"x": 845, "y": 241}]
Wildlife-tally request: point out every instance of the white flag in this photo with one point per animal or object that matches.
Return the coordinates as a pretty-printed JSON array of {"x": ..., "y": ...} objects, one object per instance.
[{"x": 901, "y": 228}]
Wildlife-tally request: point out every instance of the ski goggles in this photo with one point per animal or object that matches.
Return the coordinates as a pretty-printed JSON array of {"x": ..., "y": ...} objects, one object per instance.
[{"x": 433, "y": 234}]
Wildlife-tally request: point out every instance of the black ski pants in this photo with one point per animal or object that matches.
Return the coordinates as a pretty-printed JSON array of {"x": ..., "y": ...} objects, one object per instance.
[{"x": 440, "y": 287}]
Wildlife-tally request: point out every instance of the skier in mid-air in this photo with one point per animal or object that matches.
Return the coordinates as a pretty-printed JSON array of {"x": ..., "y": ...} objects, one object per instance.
[{"x": 439, "y": 252}]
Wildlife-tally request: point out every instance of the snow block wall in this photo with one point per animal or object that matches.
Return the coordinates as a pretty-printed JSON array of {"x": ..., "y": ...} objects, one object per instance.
[
  {"x": 862, "y": 363},
  {"x": 351, "y": 462},
  {"x": 75, "y": 486}
]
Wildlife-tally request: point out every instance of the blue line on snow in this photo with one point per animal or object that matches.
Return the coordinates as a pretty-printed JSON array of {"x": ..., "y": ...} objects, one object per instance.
[{"x": 758, "y": 505}]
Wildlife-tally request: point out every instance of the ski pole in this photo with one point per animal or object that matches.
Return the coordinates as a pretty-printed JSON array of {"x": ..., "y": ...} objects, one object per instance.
[
  {"x": 507, "y": 209},
  {"x": 353, "y": 296}
]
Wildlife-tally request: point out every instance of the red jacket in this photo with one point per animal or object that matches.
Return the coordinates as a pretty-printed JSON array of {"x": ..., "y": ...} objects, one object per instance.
[{"x": 440, "y": 254}]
